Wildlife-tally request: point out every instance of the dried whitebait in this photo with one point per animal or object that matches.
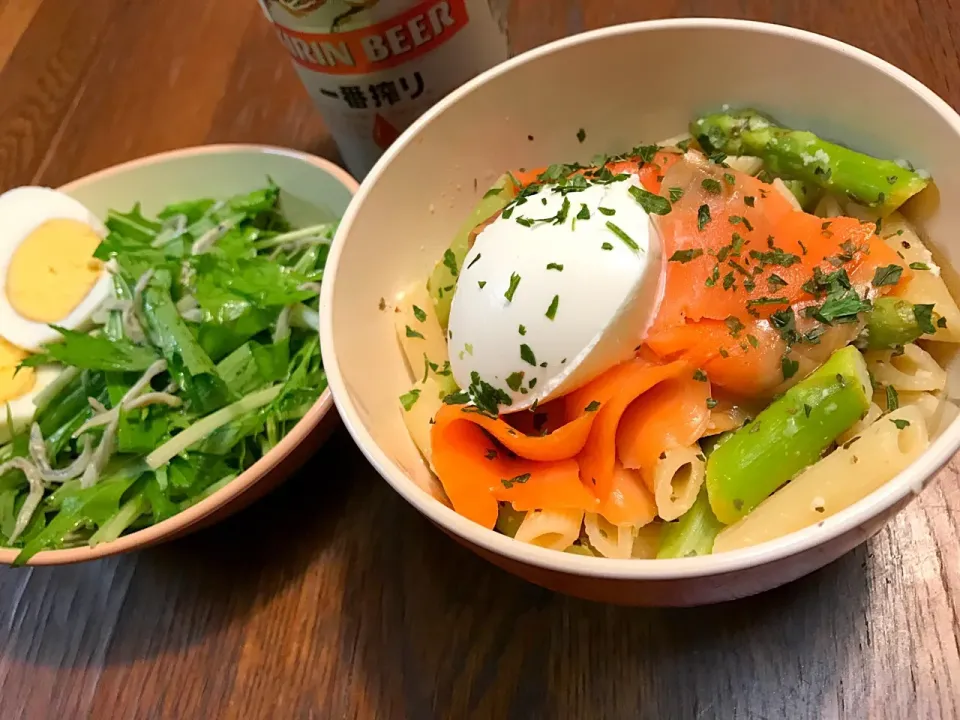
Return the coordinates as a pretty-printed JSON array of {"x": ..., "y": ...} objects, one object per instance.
[
  {"x": 33, "y": 497},
  {"x": 38, "y": 453}
]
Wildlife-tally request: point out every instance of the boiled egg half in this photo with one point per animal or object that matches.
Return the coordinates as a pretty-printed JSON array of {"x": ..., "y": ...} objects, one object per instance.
[
  {"x": 48, "y": 274},
  {"x": 18, "y": 390},
  {"x": 555, "y": 291}
]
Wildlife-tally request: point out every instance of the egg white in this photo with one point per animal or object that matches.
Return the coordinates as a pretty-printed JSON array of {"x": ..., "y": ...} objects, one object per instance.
[
  {"x": 23, "y": 408},
  {"x": 22, "y": 210},
  {"x": 607, "y": 291}
]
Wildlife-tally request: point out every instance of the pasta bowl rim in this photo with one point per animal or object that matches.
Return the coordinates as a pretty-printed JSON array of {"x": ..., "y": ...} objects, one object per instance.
[
  {"x": 912, "y": 479},
  {"x": 207, "y": 507}
]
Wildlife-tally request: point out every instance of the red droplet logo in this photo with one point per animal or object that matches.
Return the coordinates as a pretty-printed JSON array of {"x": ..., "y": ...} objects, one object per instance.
[{"x": 383, "y": 132}]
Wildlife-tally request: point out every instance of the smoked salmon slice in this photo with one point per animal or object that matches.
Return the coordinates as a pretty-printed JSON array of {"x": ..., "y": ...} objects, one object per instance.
[
  {"x": 477, "y": 472},
  {"x": 650, "y": 173},
  {"x": 629, "y": 501},
  {"x": 563, "y": 443},
  {"x": 735, "y": 247},
  {"x": 673, "y": 414},
  {"x": 609, "y": 395}
]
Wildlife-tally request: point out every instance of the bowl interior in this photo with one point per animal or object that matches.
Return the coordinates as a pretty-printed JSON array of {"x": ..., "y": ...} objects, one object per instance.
[
  {"x": 312, "y": 191},
  {"x": 624, "y": 86}
]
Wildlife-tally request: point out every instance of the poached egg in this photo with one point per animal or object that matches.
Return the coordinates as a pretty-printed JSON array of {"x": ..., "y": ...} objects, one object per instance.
[
  {"x": 48, "y": 274},
  {"x": 556, "y": 290}
]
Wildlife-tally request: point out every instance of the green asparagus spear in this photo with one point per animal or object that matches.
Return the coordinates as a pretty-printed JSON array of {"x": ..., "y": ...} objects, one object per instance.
[
  {"x": 894, "y": 322},
  {"x": 443, "y": 280},
  {"x": 712, "y": 442},
  {"x": 693, "y": 534},
  {"x": 789, "y": 435},
  {"x": 508, "y": 519},
  {"x": 801, "y": 155},
  {"x": 806, "y": 194}
]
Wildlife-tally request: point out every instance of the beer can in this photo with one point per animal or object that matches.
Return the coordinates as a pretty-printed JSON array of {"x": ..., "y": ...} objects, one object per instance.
[{"x": 372, "y": 67}]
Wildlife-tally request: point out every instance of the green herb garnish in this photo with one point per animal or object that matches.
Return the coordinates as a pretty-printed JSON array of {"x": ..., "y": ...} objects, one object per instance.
[
  {"x": 887, "y": 275},
  {"x": 685, "y": 256},
  {"x": 526, "y": 354},
  {"x": 409, "y": 399},
  {"x": 512, "y": 289},
  {"x": 703, "y": 216},
  {"x": 552, "y": 310},
  {"x": 711, "y": 186},
  {"x": 627, "y": 240},
  {"x": 514, "y": 380},
  {"x": 651, "y": 203}
]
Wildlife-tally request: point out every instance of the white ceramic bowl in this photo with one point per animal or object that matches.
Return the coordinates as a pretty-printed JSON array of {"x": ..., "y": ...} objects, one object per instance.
[
  {"x": 313, "y": 190},
  {"x": 624, "y": 85}
]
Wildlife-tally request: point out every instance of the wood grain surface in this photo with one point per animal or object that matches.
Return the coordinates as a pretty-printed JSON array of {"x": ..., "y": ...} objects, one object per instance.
[{"x": 333, "y": 599}]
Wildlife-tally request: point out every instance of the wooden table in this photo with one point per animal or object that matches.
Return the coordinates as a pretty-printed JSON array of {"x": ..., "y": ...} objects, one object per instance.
[{"x": 334, "y": 599}]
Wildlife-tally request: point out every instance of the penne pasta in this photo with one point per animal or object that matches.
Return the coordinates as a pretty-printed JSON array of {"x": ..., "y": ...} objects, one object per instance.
[
  {"x": 900, "y": 235},
  {"x": 837, "y": 481},
  {"x": 646, "y": 544},
  {"x": 873, "y": 412},
  {"x": 671, "y": 144},
  {"x": 552, "y": 529},
  {"x": 725, "y": 417},
  {"x": 421, "y": 337},
  {"x": 745, "y": 164},
  {"x": 677, "y": 479},
  {"x": 781, "y": 188},
  {"x": 913, "y": 370},
  {"x": 426, "y": 401},
  {"x": 923, "y": 287},
  {"x": 937, "y": 410},
  {"x": 861, "y": 212},
  {"x": 613, "y": 541},
  {"x": 828, "y": 207}
]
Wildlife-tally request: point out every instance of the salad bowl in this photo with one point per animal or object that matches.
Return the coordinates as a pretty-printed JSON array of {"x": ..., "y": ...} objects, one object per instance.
[
  {"x": 312, "y": 192},
  {"x": 567, "y": 102}
]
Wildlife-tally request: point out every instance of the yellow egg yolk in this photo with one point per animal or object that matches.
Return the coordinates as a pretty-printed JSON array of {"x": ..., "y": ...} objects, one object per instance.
[
  {"x": 13, "y": 387},
  {"x": 52, "y": 270}
]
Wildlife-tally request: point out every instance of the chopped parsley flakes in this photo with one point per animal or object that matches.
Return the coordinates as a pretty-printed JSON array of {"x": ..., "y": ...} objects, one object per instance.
[
  {"x": 627, "y": 240},
  {"x": 526, "y": 354},
  {"x": 711, "y": 186},
  {"x": 518, "y": 480},
  {"x": 514, "y": 283},
  {"x": 408, "y": 400},
  {"x": 703, "y": 216},
  {"x": 514, "y": 380},
  {"x": 685, "y": 256},
  {"x": 653, "y": 204},
  {"x": 450, "y": 261},
  {"x": 552, "y": 310},
  {"x": 887, "y": 275},
  {"x": 788, "y": 367}
]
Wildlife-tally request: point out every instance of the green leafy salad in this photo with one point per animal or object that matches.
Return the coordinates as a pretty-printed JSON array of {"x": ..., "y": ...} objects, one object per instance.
[{"x": 199, "y": 359}]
